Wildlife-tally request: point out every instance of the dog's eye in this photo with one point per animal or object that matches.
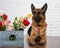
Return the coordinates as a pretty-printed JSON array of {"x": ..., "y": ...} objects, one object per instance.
[{"x": 34, "y": 12}]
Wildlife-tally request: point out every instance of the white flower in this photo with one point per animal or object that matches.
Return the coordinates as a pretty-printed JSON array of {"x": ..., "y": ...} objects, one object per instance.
[{"x": 1, "y": 13}]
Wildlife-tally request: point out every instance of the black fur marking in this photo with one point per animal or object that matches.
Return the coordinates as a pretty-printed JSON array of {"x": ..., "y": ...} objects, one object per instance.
[
  {"x": 29, "y": 30},
  {"x": 31, "y": 44},
  {"x": 37, "y": 18},
  {"x": 41, "y": 43},
  {"x": 37, "y": 39},
  {"x": 38, "y": 25}
]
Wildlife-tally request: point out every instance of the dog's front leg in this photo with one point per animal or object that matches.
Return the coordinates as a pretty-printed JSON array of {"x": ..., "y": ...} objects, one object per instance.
[
  {"x": 43, "y": 40},
  {"x": 43, "y": 36},
  {"x": 31, "y": 39}
]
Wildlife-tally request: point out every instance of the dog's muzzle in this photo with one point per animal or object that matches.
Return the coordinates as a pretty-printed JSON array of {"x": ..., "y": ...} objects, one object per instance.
[
  {"x": 37, "y": 39},
  {"x": 37, "y": 19}
]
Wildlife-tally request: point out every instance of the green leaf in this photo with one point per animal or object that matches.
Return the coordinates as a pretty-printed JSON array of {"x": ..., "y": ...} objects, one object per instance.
[
  {"x": 1, "y": 18},
  {"x": 16, "y": 26}
]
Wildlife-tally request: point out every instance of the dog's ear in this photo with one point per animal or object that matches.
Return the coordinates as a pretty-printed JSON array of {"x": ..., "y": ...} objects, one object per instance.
[
  {"x": 32, "y": 7},
  {"x": 44, "y": 8}
]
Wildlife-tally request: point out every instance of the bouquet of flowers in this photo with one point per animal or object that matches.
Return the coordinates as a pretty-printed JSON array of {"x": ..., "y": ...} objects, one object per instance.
[
  {"x": 21, "y": 23},
  {"x": 3, "y": 21},
  {"x": 18, "y": 24}
]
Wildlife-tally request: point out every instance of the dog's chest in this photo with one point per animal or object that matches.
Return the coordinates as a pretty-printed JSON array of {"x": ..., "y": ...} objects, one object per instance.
[{"x": 39, "y": 30}]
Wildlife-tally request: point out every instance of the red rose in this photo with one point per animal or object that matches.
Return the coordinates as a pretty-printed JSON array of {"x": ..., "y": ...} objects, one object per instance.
[
  {"x": 4, "y": 16},
  {"x": 0, "y": 24},
  {"x": 26, "y": 22}
]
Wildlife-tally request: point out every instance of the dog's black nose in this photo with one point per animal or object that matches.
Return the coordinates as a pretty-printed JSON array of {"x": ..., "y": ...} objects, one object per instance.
[{"x": 37, "y": 39}]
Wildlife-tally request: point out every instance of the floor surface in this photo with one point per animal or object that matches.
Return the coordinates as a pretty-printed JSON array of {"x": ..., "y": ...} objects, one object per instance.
[{"x": 52, "y": 42}]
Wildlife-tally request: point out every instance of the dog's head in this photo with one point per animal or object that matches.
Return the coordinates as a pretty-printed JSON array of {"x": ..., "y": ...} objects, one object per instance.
[{"x": 39, "y": 14}]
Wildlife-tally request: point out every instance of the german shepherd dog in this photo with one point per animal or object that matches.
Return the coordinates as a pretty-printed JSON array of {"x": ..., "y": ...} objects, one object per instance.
[{"x": 37, "y": 31}]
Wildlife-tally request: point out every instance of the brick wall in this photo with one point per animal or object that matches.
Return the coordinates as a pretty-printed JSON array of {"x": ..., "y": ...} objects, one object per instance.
[{"x": 21, "y": 7}]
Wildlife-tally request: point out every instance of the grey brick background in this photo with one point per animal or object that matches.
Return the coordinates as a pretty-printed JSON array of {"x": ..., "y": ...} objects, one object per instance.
[{"x": 22, "y": 7}]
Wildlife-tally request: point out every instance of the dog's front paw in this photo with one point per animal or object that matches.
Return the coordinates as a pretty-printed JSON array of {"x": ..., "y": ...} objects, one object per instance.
[
  {"x": 42, "y": 43},
  {"x": 30, "y": 43}
]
